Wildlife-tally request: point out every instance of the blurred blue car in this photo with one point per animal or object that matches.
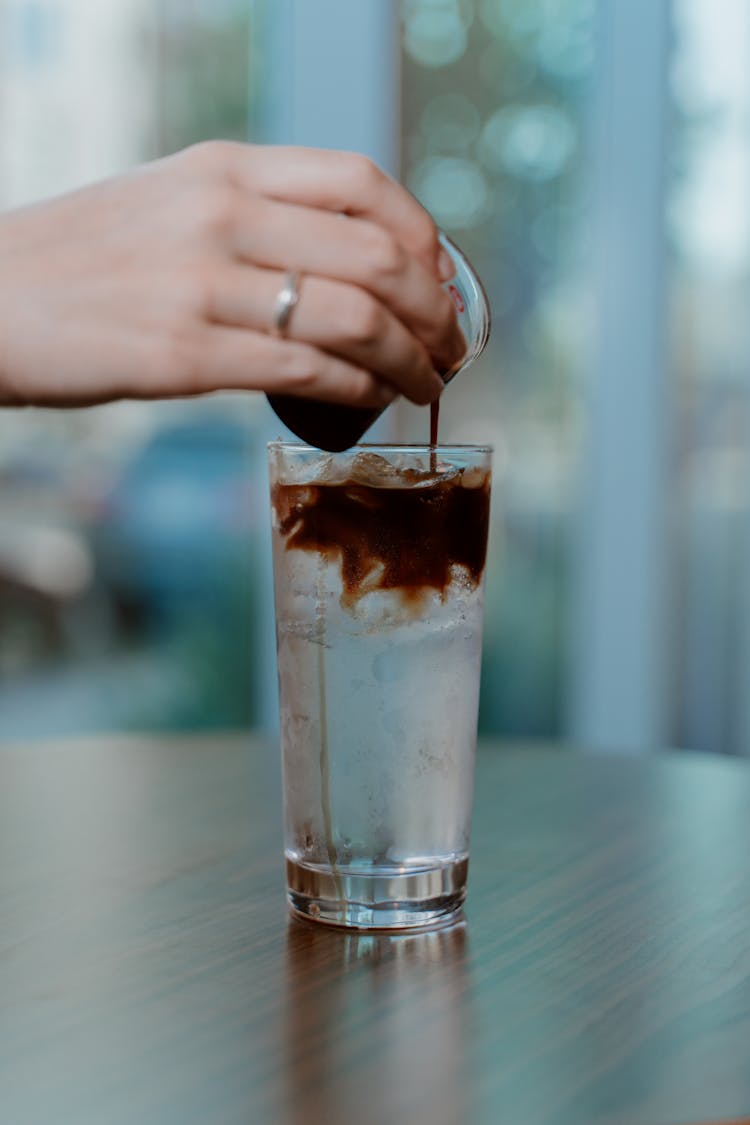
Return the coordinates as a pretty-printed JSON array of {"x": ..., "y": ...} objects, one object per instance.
[{"x": 181, "y": 517}]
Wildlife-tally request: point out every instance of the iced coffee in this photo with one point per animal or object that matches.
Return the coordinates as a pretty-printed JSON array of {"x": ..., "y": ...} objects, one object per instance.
[{"x": 379, "y": 559}]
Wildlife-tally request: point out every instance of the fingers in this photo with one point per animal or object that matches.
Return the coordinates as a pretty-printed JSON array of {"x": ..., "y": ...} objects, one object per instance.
[
  {"x": 341, "y": 182},
  {"x": 357, "y": 251},
  {"x": 226, "y": 358},
  {"x": 341, "y": 320},
  {"x": 368, "y": 254}
]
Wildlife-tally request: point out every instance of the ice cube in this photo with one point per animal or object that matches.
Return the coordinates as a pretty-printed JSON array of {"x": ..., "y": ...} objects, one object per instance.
[
  {"x": 374, "y": 470},
  {"x": 474, "y": 477},
  {"x": 330, "y": 470},
  {"x": 437, "y": 474},
  {"x": 378, "y": 472}
]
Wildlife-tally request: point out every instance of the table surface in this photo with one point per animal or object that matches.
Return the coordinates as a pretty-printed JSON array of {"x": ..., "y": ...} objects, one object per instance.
[{"x": 149, "y": 972}]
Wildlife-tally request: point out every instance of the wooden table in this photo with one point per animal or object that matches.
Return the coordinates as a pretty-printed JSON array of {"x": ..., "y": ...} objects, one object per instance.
[{"x": 149, "y": 972}]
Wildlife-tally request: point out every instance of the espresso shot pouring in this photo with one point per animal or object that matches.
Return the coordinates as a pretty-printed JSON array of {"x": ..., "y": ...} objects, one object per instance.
[{"x": 336, "y": 427}]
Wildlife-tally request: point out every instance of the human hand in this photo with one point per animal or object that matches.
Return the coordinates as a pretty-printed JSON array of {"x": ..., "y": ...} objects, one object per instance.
[{"x": 163, "y": 282}]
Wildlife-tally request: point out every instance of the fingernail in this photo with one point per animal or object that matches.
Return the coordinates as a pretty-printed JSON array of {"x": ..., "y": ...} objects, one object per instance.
[{"x": 446, "y": 267}]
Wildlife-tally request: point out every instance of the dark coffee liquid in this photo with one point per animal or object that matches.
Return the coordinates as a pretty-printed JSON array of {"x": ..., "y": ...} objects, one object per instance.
[
  {"x": 333, "y": 427},
  {"x": 325, "y": 425},
  {"x": 409, "y": 539}
]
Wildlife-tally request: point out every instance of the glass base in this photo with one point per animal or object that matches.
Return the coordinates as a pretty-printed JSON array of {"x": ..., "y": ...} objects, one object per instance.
[{"x": 379, "y": 898}]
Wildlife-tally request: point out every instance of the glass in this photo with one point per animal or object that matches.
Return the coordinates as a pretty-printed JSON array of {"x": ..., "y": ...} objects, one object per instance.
[{"x": 379, "y": 558}]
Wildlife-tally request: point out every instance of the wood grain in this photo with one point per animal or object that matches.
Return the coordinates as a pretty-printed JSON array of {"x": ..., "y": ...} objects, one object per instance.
[{"x": 149, "y": 972}]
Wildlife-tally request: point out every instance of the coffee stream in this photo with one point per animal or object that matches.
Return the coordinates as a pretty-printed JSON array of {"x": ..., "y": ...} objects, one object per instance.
[{"x": 434, "y": 421}]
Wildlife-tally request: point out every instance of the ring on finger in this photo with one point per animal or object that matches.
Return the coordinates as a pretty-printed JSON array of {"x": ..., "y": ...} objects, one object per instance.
[{"x": 286, "y": 300}]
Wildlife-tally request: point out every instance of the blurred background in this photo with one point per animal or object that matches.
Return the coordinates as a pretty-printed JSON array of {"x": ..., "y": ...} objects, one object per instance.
[{"x": 593, "y": 160}]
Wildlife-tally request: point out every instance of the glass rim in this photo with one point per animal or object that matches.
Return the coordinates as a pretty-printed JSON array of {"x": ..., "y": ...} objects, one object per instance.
[{"x": 382, "y": 446}]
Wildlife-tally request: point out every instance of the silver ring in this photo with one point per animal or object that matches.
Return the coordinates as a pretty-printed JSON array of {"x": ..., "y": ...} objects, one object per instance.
[{"x": 287, "y": 298}]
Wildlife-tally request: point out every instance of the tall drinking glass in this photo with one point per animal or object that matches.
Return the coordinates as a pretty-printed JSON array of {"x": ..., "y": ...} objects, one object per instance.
[{"x": 379, "y": 558}]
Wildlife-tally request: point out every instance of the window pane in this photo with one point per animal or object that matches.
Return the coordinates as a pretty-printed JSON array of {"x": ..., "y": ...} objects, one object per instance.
[
  {"x": 710, "y": 348},
  {"x": 494, "y": 112}
]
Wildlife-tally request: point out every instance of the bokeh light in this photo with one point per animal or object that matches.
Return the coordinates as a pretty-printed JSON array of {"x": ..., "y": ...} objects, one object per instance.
[
  {"x": 453, "y": 189},
  {"x": 532, "y": 142},
  {"x": 435, "y": 31},
  {"x": 522, "y": 22}
]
